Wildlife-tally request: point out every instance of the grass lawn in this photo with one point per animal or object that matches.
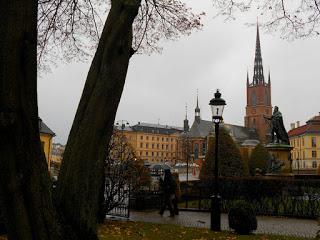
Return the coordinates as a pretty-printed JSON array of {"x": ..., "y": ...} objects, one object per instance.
[
  {"x": 114, "y": 230},
  {"x": 126, "y": 230}
]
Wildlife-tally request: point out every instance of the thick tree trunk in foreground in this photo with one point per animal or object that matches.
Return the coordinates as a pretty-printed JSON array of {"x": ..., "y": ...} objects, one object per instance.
[
  {"x": 81, "y": 173},
  {"x": 24, "y": 180}
]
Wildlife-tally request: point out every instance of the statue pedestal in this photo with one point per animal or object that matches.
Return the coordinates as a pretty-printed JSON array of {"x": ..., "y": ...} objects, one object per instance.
[{"x": 281, "y": 152}]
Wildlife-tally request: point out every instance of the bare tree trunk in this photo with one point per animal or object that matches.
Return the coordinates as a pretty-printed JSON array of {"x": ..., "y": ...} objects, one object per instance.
[
  {"x": 81, "y": 176},
  {"x": 24, "y": 180}
]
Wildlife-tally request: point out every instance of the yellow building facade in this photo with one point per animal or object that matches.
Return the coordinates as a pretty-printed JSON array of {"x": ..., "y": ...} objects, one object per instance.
[
  {"x": 154, "y": 143},
  {"x": 305, "y": 141},
  {"x": 46, "y": 136}
]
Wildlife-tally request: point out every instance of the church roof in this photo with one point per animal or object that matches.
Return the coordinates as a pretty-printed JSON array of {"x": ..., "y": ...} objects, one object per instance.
[
  {"x": 203, "y": 128},
  {"x": 156, "y": 128},
  {"x": 43, "y": 128}
]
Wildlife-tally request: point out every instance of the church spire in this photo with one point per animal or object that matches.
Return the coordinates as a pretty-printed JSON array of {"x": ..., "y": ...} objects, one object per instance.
[
  {"x": 186, "y": 121},
  {"x": 247, "y": 77},
  {"x": 197, "y": 110},
  {"x": 269, "y": 78},
  {"x": 258, "y": 77}
]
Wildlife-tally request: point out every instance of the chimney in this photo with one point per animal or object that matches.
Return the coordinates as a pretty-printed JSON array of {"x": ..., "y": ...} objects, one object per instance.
[
  {"x": 298, "y": 124},
  {"x": 293, "y": 126}
]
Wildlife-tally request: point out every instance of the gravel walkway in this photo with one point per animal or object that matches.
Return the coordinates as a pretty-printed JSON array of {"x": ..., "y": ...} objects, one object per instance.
[{"x": 268, "y": 225}]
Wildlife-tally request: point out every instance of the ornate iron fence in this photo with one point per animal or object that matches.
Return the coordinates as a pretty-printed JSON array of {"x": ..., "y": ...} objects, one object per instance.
[{"x": 276, "y": 196}]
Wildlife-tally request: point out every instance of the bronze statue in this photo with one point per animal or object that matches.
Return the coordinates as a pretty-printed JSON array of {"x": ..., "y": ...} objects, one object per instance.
[
  {"x": 277, "y": 127},
  {"x": 274, "y": 165}
]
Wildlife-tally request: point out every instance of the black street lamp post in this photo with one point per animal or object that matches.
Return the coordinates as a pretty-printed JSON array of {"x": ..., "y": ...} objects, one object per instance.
[{"x": 217, "y": 105}]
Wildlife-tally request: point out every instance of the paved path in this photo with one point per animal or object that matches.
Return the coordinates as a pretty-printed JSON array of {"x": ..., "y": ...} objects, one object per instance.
[{"x": 270, "y": 225}]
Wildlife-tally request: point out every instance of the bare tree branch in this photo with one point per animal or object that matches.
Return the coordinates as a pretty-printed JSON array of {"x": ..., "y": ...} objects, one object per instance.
[{"x": 293, "y": 19}]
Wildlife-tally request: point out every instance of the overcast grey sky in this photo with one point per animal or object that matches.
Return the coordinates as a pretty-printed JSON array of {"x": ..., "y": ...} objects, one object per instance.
[{"x": 159, "y": 86}]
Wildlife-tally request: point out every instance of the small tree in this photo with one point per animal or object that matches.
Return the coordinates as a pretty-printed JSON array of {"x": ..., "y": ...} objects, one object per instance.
[
  {"x": 259, "y": 159},
  {"x": 230, "y": 162},
  {"x": 123, "y": 171},
  {"x": 245, "y": 161}
]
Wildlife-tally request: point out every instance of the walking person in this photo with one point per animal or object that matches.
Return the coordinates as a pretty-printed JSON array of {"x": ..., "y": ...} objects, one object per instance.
[
  {"x": 177, "y": 194},
  {"x": 168, "y": 187}
]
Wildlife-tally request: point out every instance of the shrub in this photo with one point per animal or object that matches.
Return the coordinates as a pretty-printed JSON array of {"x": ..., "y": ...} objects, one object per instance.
[
  {"x": 242, "y": 217},
  {"x": 258, "y": 160},
  {"x": 230, "y": 161}
]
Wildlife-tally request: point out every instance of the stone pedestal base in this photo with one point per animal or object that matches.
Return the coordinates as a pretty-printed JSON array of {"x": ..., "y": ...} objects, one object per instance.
[{"x": 280, "y": 153}]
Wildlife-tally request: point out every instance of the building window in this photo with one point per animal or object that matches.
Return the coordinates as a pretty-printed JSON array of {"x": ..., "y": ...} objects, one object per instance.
[
  {"x": 146, "y": 153},
  {"x": 167, "y": 147},
  {"x": 162, "y": 139},
  {"x": 157, "y": 138},
  {"x": 266, "y": 98},
  {"x": 152, "y": 146},
  {"x": 314, "y": 164},
  {"x": 141, "y": 137},
  {"x": 254, "y": 99},
  {"x": 157, "y": 145},
  {"x": 196, "y": 151},
  {"x": 162, "y": 147},
  {"x": 203, "y": 149},
  {"x": 313, "y": 142},
  {"x": 140, "y": 153},
  {"x": 167, "y": 139},
  {"x": 152, "y": 138},
  {"x": 141, "y": 145},
  {"x": 314, "y": 154},
  {"x": 147, "y": 138},
  {"x": 147, "y": 145},
  {"x": 152, "y": 154}
]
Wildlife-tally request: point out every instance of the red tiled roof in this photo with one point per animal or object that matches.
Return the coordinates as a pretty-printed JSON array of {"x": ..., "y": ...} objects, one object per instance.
[
  {"x": 316, "y": 118},
  {"x": 312, "y": 126},
  {"x": 298, "y": 131}
]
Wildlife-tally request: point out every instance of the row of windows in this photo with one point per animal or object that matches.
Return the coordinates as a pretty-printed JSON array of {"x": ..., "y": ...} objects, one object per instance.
[
  {"x": 298, "y": 142},
  {"x": 254, "y": 98},
  {"x": 157, "y": 154},
  {"x": 157, "y": 138},
  {"x": 158, "y": 146},
  {"x": 297, "y": 155},
  {"x": 298, "y": 164}
]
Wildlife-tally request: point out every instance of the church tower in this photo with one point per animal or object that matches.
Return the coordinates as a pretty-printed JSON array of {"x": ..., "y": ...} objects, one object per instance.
[
  {"x": 197, "y": 111},
  {"x": 186, "y": 122},
  {"x": 258, "y": 97}
]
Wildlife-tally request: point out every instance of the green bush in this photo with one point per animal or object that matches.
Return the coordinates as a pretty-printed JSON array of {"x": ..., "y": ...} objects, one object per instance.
[
  {"x": 242, "y": 218},
  {"x": 258, "y": 160},
  {"x": 230, "y": 160}
]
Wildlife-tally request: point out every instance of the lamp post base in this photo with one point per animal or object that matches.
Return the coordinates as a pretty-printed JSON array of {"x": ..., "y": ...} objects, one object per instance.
[{"x": 215, "y": 213}]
